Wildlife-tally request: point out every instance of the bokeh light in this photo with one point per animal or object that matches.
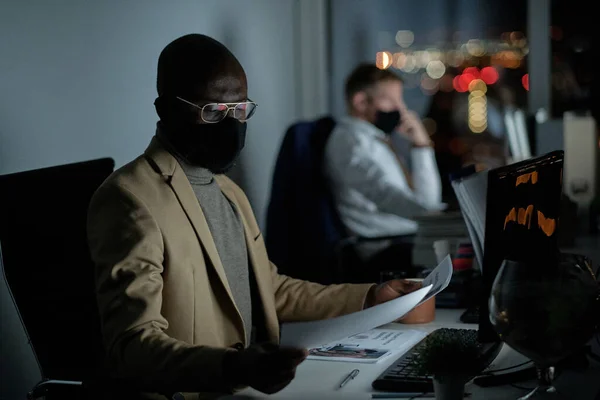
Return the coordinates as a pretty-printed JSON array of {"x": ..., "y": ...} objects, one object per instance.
[
  {"x": 446, "y": 83},
  {"x": 465, "y": 80},
  {"x": 421, "y": 58},
  {"x": 525, "y": 81},
  {"x": 477, "y": 85},
  {"x": 477, "y": 113},
  {"x": 430, "y": 125},
  {"x": 454, "y": 58},
  {"x": 435, "y": 69},
  {"x": 489, "y": 75},
  {"x": 458, "y": 85},
  {"x": 405, "y": 38},
  {"x": 399, "y": 60},
  {"x": 473, "y": 71},
  {"x": 457, "y": 146},
  {"x": 383, "y": 59},
  {"x": 556, "y": 33},
  {"x": 429, "y": 85},
  {"x": 410, "y": 64},
  {"x": 475, "y": 47}
]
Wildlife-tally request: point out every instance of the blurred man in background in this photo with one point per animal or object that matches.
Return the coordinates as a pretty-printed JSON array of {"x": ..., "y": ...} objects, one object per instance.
[{"x": 378, "y": 188}]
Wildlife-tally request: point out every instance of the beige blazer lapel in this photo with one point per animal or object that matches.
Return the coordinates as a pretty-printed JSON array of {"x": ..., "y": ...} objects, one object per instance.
[
  {"x": 176, "y": 178},
  {"x": 263, "y": 275}
]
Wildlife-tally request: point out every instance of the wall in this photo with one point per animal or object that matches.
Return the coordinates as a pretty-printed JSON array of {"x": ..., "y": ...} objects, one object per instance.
[
  {"x": 78, "y": 82},
  {"x": 78, "y": 77}
]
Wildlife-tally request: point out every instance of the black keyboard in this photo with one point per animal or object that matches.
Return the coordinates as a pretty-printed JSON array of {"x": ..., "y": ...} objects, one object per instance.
[{"x": 401, "y": 376}]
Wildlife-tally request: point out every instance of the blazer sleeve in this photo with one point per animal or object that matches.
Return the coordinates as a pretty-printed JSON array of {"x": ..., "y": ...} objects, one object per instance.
[
  {"x": 127, "y": 249},
  {"x": 298, "y": 300}
]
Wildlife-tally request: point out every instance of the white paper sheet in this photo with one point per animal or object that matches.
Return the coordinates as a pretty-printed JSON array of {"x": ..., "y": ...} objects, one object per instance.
[
  {"x": 313, "y": 334},
  {"x": 439, "y": 278}
]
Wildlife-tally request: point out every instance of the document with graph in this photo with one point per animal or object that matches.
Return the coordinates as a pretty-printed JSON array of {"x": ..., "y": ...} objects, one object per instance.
[{"x": 368, "y": 347}]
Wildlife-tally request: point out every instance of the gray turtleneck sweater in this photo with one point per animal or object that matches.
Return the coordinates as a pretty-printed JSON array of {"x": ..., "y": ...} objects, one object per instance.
[{"x": 228, "y": 233}]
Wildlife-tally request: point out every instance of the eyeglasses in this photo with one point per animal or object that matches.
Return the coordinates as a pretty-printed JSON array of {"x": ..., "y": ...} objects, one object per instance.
[{"x": 215, "y": 112}]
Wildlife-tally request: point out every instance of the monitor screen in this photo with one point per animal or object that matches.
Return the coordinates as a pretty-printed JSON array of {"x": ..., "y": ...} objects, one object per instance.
[{"x": 522, "y": 210}]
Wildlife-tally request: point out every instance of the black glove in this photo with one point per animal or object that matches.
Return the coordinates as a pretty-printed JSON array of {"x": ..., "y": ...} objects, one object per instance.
[{"x": 267, "y": 368}]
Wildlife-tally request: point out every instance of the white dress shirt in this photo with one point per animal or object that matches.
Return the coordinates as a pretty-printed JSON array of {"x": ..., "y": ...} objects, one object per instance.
[{"x": 372, "y": 194}]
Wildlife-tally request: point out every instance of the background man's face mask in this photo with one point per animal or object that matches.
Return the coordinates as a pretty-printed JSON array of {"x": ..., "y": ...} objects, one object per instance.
[{"x": 387, "y": 121}]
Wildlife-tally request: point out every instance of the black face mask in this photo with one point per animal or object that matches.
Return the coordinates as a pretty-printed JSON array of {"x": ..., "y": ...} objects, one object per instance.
[
  {"x": 215, "y": 147},
  {"x": 387, "y": 121}
]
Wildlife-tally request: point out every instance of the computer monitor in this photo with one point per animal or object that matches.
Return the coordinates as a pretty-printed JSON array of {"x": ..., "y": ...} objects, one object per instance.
[{"x": 522, "y": 210}]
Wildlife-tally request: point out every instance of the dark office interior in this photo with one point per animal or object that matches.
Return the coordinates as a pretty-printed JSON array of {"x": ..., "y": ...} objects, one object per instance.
[{"x": 131, "y": 269}]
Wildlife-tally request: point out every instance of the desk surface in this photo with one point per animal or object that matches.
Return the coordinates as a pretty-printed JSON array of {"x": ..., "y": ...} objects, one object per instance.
[{"x": 320, "y": 379}]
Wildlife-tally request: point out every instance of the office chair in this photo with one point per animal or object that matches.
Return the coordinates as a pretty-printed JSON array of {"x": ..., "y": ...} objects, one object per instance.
[
  {"x": 305, "y": 236},
  {"x": 49, "y": 272}
]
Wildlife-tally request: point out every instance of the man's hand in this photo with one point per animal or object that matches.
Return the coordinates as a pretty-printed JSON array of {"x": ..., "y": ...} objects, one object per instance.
[
  {"x": 390, "y": 290},
  {"x": 413, "y": 129},
  {"x": 267, "y": 368}
]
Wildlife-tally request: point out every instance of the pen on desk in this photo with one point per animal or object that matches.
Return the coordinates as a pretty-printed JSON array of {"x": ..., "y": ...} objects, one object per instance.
[
  {"x": 350, "y": 376},
  {"x": 405, "y": 395}
]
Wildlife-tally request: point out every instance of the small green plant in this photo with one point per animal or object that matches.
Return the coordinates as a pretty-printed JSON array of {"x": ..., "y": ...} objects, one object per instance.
[{"x": 450, "y": 354}]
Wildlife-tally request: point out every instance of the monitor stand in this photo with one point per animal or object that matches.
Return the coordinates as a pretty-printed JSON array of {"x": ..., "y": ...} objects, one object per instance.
[{"x": 522, "y": 375}]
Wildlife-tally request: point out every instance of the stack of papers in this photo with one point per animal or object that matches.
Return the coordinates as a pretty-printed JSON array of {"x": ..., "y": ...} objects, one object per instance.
[
  {"x": 369, "y": 347},
  {"x": 471, "y": 192},
  {"x": 315, "y": 334},
  {"x": 436, "y": 226}
]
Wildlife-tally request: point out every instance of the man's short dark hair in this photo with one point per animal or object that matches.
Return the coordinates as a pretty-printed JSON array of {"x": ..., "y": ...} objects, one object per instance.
[
  {"x": 365, "y": 76},
  {"x": 189, "y": 63}
]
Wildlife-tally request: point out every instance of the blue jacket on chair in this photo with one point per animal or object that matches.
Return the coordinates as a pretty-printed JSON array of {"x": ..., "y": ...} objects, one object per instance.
[{"x": 303, "y": 228}]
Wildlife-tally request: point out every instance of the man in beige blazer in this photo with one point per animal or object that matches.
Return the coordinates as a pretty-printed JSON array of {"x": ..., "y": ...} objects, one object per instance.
[{"x": 188, "y": 299}]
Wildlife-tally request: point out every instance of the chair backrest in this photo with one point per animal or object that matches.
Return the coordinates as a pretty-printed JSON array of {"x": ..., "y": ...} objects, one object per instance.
[
  {"x": 303, "y": 227},
  {"x": 18, "y": 363},
  {"x": 47, "y": 264}
]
